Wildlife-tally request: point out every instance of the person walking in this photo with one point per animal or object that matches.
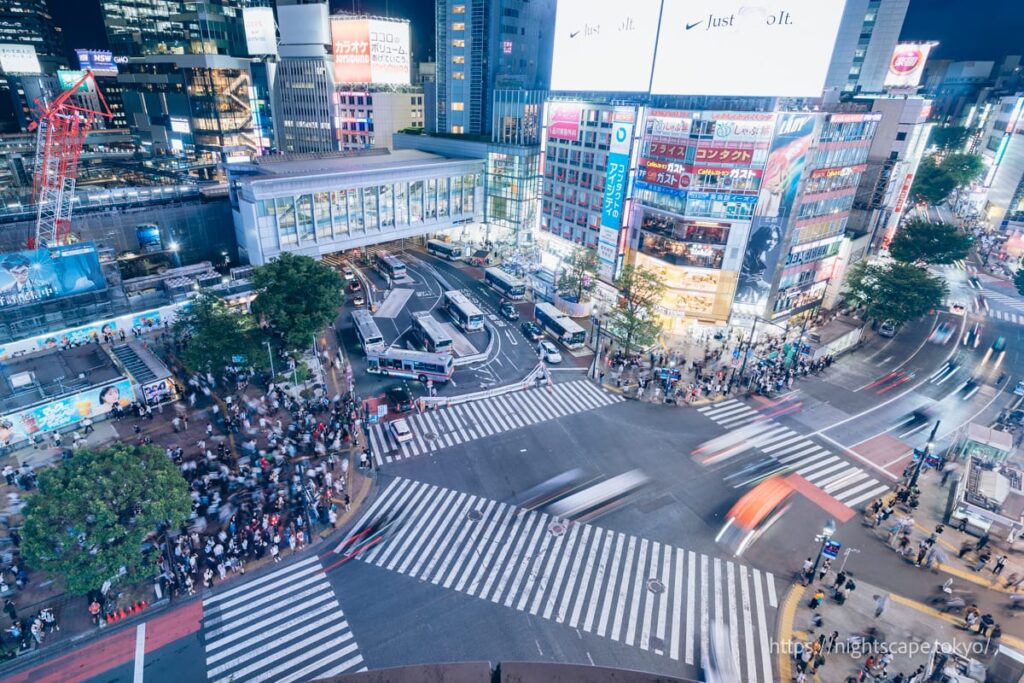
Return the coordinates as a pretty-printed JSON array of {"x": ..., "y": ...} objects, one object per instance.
[
  {"x": 10, "y": 610},
  {"x": 982, "y": 561},
  {"x": 997, "y": 569},
  {"x": 881, "y": 602}
]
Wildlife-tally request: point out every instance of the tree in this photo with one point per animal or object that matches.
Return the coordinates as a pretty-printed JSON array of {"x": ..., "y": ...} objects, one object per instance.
[
  {"x": 920, "y": 240},
  {"x": 1018, "y": 279},
  {"x": 93, "y": 512},
  {"x": 215, "y": 334},
  {"x": 297, "y": 297},
  {"x": 963, "y": 168},
  {"x": 578, "y": 277},
  {"x": 895, "y": 292},
  {"x": 633, "y": 319},
  {"x": 932, "y": 183},
  {"x": 949, "y": 138}
]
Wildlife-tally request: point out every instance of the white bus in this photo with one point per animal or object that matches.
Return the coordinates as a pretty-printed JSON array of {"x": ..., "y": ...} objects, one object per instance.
[
  {"x": 597, "y": 499},
  {"x": 451, "y": 252},
  {"x": 509, "y": 285},
  {"x": 369, "y": 334},
  {"x": 388, "y": 265},
  {"x": 559, "y": 324},
  {"x": 416, "y": 364},
  {"x": 431, "y": 333},
  {"x": 465, "y": 313}
]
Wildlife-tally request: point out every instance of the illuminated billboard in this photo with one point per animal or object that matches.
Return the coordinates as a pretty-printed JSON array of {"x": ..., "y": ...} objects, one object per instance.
[
  {"x": 100, "y": 62},
  {"x": 66, "y": 411},
  {"x": 370, "y": 51},
  {"x": 260, "y": 31},
  {"x": 780, "y": 48},
  {"x": 604, "y": 46},
  {"x": 40, "y": 274},
  {"x": 68, "y": 77},
  {"x": 564, "y": 121},
  {"x": 907, "y": 65},
  {"x": 19, "y": 59}
]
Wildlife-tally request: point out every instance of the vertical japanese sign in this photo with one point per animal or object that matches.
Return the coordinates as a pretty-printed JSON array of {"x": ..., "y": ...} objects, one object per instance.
[
  {"x": 787, "y": 156},
  {"x": 623, "y": 121}
]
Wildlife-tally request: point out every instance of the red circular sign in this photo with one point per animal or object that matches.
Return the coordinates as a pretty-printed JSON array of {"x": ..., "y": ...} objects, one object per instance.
[{"x": 906, "y": 60}]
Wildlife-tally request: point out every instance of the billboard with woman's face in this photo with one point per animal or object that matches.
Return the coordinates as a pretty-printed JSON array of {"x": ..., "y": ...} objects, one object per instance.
[{"x": 66, "y": 411}]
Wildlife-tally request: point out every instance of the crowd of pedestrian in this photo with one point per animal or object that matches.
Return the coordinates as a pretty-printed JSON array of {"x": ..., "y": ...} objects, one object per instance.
[{"x": 25, "y": 633}]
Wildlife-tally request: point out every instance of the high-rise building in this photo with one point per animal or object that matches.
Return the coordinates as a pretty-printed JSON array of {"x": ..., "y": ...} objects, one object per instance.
[
  {"x": 304, "y": 86},
  {"x": 28, "y": 23},
  {"x": 488, "y": 45},
  {"x": 867, "y": 37},
  {"x": 136, "y": 28}
]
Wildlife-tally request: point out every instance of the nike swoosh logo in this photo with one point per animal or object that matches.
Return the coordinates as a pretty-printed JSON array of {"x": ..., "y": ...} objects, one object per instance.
[
  {"x": 696, "y": 23},
  {"x": 574, "y": 34}
]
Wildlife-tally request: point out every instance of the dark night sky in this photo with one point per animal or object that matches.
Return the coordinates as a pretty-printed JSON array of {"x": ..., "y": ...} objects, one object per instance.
[{"x": 966, "y": 29}]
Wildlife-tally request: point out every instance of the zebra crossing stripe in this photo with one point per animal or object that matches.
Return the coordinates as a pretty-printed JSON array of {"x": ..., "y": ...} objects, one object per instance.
[{"x": 867, "y": 496}]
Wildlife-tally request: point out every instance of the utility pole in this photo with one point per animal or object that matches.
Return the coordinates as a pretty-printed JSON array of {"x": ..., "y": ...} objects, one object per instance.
[{"x": 924, "y": 455}]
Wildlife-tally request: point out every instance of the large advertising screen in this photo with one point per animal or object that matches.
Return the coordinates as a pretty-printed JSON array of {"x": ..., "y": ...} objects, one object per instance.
[
  {"x": 603, "y": 45},
  {"x": 65, "y": 412},
  {"x": 40, "y": 274},
  {"x": 19, "y": 59},
  {"x": 260, "y": 31},
  {"x": 100, "y": 62},
  {"x": 778, "y": 48},
  {"x": 787, "y": 157},
  {"x": 370, "y": 51},
  {"x": 907, "y": 65}
]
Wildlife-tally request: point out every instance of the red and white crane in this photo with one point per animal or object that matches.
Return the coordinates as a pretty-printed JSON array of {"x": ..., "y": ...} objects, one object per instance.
[{"x": 60, "y": 134}]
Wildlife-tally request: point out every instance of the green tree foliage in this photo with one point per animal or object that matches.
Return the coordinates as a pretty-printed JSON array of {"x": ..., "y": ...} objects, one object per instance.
[
  {"x": 964, "y": 168},
  {"x": 933, "y": 183},
  {"x": 920, "y": 240},
  {"x": 298, "y": 297},
  {"x": 1018, "y": 279},
  {"x": 92, "y": 513},
  {"x": 898, "y": 292},
  {"x": 578, "y": 276},
  {"x": 215, "y": 333},
  {"x": 948, "y": 138},
  {"x": 633, "y": 319}
]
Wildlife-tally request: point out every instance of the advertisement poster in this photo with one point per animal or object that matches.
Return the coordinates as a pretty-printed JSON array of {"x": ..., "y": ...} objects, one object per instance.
[
  {"x": 148, "y": 235},
  {"x": 78, "y": 335},
  {"x": 65, "y": 412},
  {"x": 907, "y": 65},
  {"x": 260, "y": 32},
  {"x": 371, "y": 51},
  {"x": 100, "y": 62},
  {"x": 618, "y": 165},
  {"x": 565, "y": 121},
  {"x": 19, "y": 59},
  {"x": 68, "y": 77},
  {"x": 39, "y": 274},
  {"x": 159, "y": 391},
  {"x": 787, "y": 157}
]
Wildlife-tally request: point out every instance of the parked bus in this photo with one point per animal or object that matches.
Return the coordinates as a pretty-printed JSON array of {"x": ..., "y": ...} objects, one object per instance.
[
  {"x": 431, "y": 333},
  {"x": 388, "y": 265},
  {"x": 451, "y": 252},
  {"x": 466, "y": 314},
  {"x": 419, "y": 365},
  {"x": 559, "y": 324},
  {"x": 369, "y": 334},
  {"x": 509, "y": 285}
]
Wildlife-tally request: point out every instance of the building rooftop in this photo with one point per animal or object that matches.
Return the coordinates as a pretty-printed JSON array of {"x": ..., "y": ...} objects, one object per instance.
[
  {"x": 295, "y": 166},
  {"x": 54, "y": 373}
]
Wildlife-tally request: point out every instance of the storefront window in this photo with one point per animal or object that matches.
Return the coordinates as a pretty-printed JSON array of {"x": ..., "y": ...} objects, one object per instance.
[
  {"x": 304, "y": 210},
  {"x": 442, "y": 197},
  {"x": 285, "y": 207},
  {"x": 339, "y": 203},
  {"x": 468, "y": 194},
  {"x": 704, "y": 232},
  {"x": 356, "y": 218},
  {"x": 681, "y": 253},
  {"x": 401, "y": 207},
  {"x": 456, "y": 196},
  {"x": 431, "y": 201},
  {"x": 416, "y": 200},
  {"x": 370, "y": 207},
  {"x": 387, "y": 209},
  {"x": 321, "y": 202}
]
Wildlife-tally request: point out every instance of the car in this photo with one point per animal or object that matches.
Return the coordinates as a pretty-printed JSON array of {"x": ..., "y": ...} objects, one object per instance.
[
  {"x": 1019, "y": 390},
  {"x": 999, "y": 344},
  {"x": 348, "y": 274},
  {"x": 888, "y": 329},
  {"x": 508, "y": 312},
  {"x": 400, "y": 430},
  {"x": 549, "y": 353},
  {"x": 399, "y": 399},
  {"x": 973, "y": 336},
  {"x": 942, "y": 334},
  {"x": 355, "y": 286},
  {"x": 358, "y": 299},
  {"x": 958, "y": 307},
  {"x": 531, "y": 330}
]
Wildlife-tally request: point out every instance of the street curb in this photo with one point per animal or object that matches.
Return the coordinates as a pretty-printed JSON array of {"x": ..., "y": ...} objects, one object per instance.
[
  {"x": 784, "y": 630},
  {"x": 1012, "y": 641}
]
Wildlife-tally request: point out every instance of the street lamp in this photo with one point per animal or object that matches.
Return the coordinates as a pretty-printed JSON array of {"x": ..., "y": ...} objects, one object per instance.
[{"x": 924, "y": 455}]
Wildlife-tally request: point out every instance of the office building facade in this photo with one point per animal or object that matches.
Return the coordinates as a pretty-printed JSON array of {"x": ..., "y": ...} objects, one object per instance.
[
  {"x": 27, "y": 22},
  {"x": 867, "y": 37}
]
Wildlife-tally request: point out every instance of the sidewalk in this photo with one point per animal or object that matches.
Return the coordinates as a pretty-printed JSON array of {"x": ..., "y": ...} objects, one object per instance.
[{"x": 906, "y": 629}]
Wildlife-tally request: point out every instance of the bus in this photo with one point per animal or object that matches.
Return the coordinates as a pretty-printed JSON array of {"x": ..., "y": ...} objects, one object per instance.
[
  {"x": 597, "y": 499},
  {"x": 431, "y": 333},
  {"x": 419, "y": 365},
  {"x": 559, "y": 324},
  {"x": 369, "y": 335},
  {"x": 465, "y": 313},
  {"x": 451, "y": 252},
  {"x": 388, "y": 265},
  {"x": 509, "y": 285}
]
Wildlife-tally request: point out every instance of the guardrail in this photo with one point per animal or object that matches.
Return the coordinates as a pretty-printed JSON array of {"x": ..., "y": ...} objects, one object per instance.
[{"x": 539, "y": 372}]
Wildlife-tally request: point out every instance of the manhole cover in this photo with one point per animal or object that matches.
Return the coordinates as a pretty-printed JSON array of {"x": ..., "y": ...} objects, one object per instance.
[
  {"x": 556, "y": 528},
  {"x": 430, "y": 436},
  {"x": 474, "y": 515},
  {"x": 655, "y": 586}
]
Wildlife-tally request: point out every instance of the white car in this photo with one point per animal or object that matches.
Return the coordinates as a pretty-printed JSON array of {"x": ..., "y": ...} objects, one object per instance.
[
  {"x": 400, "y": 430},
  {"x": 549, "y": 353},
  {"x": 348, "y": 274}
]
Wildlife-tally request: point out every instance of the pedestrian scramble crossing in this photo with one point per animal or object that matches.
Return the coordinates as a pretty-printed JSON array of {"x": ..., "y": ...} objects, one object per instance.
[
  {"x": 958, "y": 265},
  {"x": 635, "y": 591},
  {"x": 284, "y": 627},
  {"x": 848, "y": 484},
  {"x": 1005, "y": 299},
  {"x": 465, "y": 422}
]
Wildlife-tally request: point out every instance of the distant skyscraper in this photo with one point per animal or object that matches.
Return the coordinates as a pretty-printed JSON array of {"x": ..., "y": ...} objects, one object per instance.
[
  {"x": 867, "y": 37},
  {"x": 27, "y": 22},
  {"x": 143, "y": 27},
  {"x": 488, "y": 45}
]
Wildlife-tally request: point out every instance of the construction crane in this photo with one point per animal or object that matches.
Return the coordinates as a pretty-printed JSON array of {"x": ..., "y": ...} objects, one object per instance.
[{"x": 61, "y": 128}]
